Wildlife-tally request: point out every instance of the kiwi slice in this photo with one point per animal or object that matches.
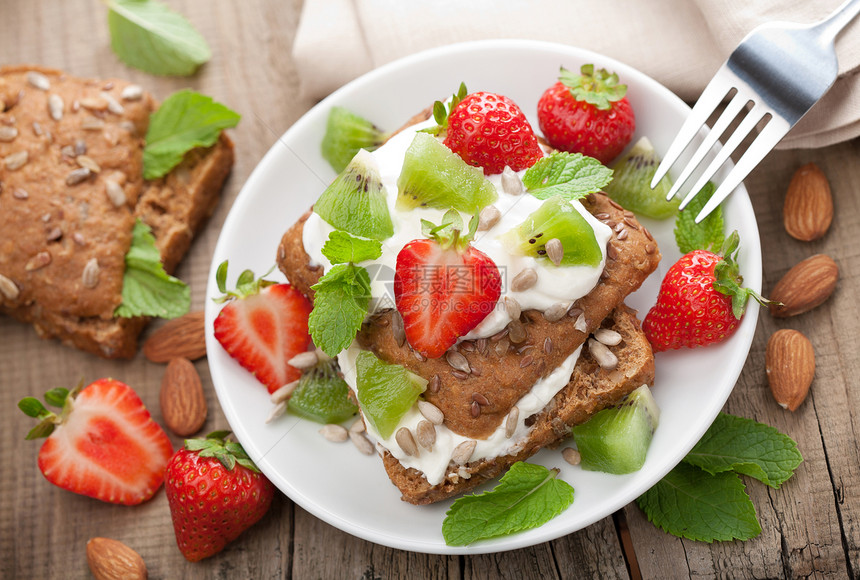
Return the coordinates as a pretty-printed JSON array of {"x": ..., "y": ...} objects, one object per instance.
[
  {"x": 346, "y": 133},
  {"x": 434, "y": 176},
  {"x": 557, "y": 219},
  {"x": 355, "y": 201},
  {"x": 631, "y": 183},
  {"x": 616, "y": 440},
  {"x": 385, "y": 391},
  {"x": 322, "y": 395}
]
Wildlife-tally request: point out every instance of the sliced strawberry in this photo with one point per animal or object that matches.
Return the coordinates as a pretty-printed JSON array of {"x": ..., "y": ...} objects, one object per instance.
[
  {"x": 264, "y": 328},
  {"x": 443, "y": 288},
  {"x": 103, "y": 445}
]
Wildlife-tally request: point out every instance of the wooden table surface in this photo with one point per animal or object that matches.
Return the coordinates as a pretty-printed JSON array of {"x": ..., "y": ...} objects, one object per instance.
[{"x": 811, "y": 527}]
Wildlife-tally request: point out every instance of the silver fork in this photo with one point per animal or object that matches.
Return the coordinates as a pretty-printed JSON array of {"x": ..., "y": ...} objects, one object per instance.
[{"x": 782, "y": 69}]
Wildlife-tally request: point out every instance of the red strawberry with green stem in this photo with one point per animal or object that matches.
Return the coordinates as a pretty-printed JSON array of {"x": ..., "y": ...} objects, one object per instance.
[
  {"x": 587, "y": 113},
  {"x": 215, "y": 492},
  {"x": 103, "y": 444},
  {"x": 443, "y": 286},
  {"x": 263, "y": 326},
  {"x": 701, "y": 300},
  {"x": 487, "y": 130}
]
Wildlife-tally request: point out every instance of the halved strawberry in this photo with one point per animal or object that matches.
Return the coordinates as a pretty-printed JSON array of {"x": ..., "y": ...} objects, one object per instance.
[
  {"x": 264, "y": 327},
  {"x": 104, "y": 443},
  {"x": 444, "y": 287}
]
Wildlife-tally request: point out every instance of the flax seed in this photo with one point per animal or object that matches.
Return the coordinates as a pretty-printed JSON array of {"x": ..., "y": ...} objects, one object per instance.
[
  {"x": 475, "y": 410},
  {"x": 480, "y": 399},
  {"x": 434, "y": 384}
]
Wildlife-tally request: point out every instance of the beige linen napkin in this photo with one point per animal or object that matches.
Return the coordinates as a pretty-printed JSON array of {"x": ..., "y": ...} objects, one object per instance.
[{"x": 680, "y": 43}]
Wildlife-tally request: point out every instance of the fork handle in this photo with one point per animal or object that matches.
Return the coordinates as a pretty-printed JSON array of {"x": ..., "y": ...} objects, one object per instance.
[{"x": 839, "y": 19}]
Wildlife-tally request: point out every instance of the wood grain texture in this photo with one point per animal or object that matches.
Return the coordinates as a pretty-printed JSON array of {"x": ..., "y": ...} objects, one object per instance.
[{"x": 811, "y": 526}]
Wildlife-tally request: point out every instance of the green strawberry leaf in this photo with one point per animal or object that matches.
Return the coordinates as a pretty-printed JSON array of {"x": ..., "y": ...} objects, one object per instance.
[
  {"x": 570, "y": 175},
  {"x": 441, "y": 112},
  {"x": 748, "y": 447},
  {"x": 707, "y": 235},
  {"x": 33, "y": 407},
  {"x": 598, "y": 88},
  {"x": 526, "y": 497},
  {"x": 692, "y": 503},
  {"x": 341, "y": 300}
]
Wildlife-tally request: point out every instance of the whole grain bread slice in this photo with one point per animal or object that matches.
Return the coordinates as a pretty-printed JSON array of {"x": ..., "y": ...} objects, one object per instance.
[
  {"x": 591, "y": 389},
  {"x": 71, "y": 195}
]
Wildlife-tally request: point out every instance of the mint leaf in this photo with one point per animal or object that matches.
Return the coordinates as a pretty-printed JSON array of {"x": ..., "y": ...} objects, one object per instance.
[
  {"x": 707, "y": 235},
  {"x": 185, "y": 120},
  {"x": 526, "y": 497},
  {"x": 147, "y": 290},
  {"x": 148, "y": 35},
  {"x": 748, "y": 447},
  {"x": 341, "y": 299},
  {"x": 691, "y": 503},
  {"x": 341, "y": 248},
  {"x": 570, "y": 175}
]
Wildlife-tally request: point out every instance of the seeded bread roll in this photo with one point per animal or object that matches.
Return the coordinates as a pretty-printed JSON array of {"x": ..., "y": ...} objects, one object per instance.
[
  {"x": 591, "y": 389},
  {"x": 71, "y": 188}
]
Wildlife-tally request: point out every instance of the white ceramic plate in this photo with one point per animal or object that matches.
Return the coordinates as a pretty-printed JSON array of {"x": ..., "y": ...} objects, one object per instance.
[{"x": 351, "y": 491}]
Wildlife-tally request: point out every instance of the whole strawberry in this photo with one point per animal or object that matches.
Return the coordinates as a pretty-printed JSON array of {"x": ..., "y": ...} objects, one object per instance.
[
  {"x": 587, "y": 113},
  {"x": 103, "y": 444},
  {"x": 490, "y": 131},
  {"x": 215, "y": 492},
  {"x": 263, "y": 326},
  {"x": 700, "y": 302}
]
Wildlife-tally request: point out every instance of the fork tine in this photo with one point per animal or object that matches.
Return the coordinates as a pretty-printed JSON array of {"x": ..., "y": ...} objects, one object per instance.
[
  {"x": 746, "y": 126},
  {"x": 711, "y": 97},
  {"x": 769, "y": 136},
  {"x": 728, "y": 115}
]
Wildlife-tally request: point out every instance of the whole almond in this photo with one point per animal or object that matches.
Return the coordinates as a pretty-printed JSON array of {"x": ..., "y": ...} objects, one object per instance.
[
  {"x": 790, "y": 367},
  {"x": 808, "y": 208},
  {"x": 805, "y": 286},
  {"x": 113, "y": 560},
  {"x": 180, "y": 337},
  {"x": 183, "y": 405}
]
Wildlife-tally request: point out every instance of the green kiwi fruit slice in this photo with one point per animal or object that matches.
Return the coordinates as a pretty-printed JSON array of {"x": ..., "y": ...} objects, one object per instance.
[
  {"x": 434, "y": 176},
  {"x": 346, "y": 133},
  {"x": 616, "y": 440},
  {"x": 631, "y": 183},
  {"x": 322, "y": 395},
  {"x": 557, "y": 219},
  {"x": 355, "y": 201},
  {"x": 385, "y": 391}
]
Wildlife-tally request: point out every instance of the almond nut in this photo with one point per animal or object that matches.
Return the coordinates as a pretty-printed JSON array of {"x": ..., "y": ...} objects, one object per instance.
[
  {"x": 790, "y": 367},
  {"x": 183, "y": 337},
  {"x": 113, "y": 560},
  {"x": 808, "y": 208},
  {"x": 805, "y": 286},
  {"x": 183, "y": 404}
]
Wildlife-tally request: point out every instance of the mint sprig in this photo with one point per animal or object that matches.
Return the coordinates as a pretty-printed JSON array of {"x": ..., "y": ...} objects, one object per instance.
[
  {"x": 526, "y": 497},
  {"x": 690, "y": 503},
  {"x": 570, "y": 175},
  {"x": 149, "y": 36},
  {"x": 706, "y": 235},
  {"x": 342, "y": 247},
  {"x": 147, "y": 290},
  {"x": 341, "y": 300},
  {"x": 184, "y": 120},
  {"x": 748, "y": 447},
  {"x": 703, "y": 497}
]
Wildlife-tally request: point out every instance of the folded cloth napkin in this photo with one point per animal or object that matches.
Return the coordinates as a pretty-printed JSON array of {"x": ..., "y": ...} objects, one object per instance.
[{"x": 680, "y": 43}]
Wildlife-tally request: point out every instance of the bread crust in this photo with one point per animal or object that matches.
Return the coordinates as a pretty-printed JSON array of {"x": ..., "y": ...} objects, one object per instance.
[
  {"x": 50, "y": 217},
  {"x": 591, "y": 389}
]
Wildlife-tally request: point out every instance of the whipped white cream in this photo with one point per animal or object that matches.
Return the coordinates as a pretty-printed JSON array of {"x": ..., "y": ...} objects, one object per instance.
[{"x": 555, "y": 285}]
